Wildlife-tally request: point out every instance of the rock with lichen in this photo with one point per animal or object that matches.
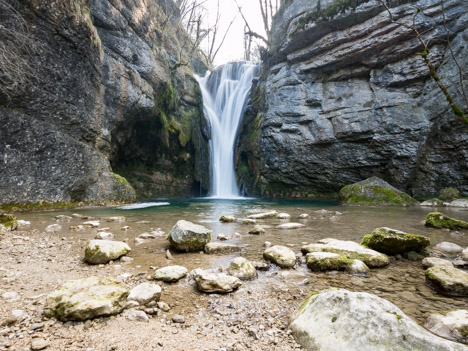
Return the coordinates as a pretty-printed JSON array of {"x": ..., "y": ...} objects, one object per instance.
[
  {"x": 440, "y": 221},
  {"x": 448, "y": 280},
  {"x": 392, "y": 242},
  {"x": 104, "y": 251},
  {"x": 327, "y": 261}
]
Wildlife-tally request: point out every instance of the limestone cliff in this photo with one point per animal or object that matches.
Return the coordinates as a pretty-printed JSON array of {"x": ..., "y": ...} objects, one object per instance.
[
  {"x": 94, "y": 88},
  {"x": 344, "y": 96}
]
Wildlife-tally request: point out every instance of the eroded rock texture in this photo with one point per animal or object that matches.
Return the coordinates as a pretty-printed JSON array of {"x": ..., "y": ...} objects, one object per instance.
[
  {"x": 92, "y": 89},
  {"x": 344, "y": 96}
]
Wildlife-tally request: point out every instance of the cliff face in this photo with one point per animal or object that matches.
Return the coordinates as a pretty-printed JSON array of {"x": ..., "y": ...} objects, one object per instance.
[
  {"x": 90, "y": 88},
  {"x": 344, "y": 96}
]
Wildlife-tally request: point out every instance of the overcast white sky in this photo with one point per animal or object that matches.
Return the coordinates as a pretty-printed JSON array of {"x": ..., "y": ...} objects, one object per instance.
[{"x": 233, "y": 48}]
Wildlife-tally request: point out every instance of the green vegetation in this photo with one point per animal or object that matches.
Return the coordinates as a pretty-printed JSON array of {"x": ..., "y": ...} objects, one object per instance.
[
  {"x": 449, "y": 194},
  {"x": 439, "y": 221},
  {"x": 9, "y": 221}
]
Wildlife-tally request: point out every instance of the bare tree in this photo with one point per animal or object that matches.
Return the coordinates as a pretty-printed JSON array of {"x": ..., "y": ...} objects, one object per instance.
[{"x": 457, "y": 110}]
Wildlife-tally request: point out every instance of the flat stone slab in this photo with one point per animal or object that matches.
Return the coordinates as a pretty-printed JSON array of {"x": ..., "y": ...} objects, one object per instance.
[
  {"x": 339, "y": 319},
  {"x": 215, "y": 282},
  {"x": 263, "y": 215},
  {"x": 327, "y": 261},
  {"x": 104, "y": 251},
  {"x": 280, "y": 255},
  {"x": 350, "y": 249},
  {"x": 448, "y": 280},
  {"x": 220, "y": 248},
  {"x": 86, "y": 298},
  {"x": 290, "y": 225},
  {"x": 170, "y": 274}
]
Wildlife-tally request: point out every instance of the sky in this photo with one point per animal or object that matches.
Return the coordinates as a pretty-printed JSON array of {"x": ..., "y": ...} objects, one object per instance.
[{"x": 233, "y": 48}]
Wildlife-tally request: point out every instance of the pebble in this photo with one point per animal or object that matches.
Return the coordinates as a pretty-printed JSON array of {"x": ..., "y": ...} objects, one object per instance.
[
  {"x": 163, "y": 306},
  {"x": 177, "y": 318}
]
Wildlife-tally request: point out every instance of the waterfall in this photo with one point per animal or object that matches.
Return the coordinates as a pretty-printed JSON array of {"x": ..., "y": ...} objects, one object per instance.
[{"x": 226, "y": 91}]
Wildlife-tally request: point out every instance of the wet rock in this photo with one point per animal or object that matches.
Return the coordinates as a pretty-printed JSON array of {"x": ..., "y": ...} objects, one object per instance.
[
  {"x": 86, "y": 298},
  {"x": 448, "y": 280},
  {"x": 177, "y": 318},
  {"x": 223, "y": 237},
  {"x": 170, "y": 274},
  {"x": 53, "y": 228},
  {"x": 393, "y": 242},
  {"x": 449, "y": 249},
  {"x": 104, "y": 251},
  {"x": 261, "y": 266},
  {"x": 449, "y": 194},
  {"x": 431, "y": 203},
  {"x": 39, "y": 344},
  {"x": 327, "y": 261},
  {"x": 439, "y": 221},
  {"x": 220, "y": 248},
  {"x": 189, "y": 237},
  {"x": 136, "y": 315},
  {"x": 63, "y": 218},
  {"x": 215, "y": 282},
  {"x": 283, "y": 215},
  {"x": 358, "y": 321},
  {"x": 147, "y": 236},
  {"x": 138, "y": 241},
  {"x": 280, "y": 255},
  {"x": 92, "y": 224},
  {"x": 257, "y": 230},
  {"x": 248, "y": 221},
  {"x": 163, "y": 306},
  {"x": 358, "y": 268},
  {"x": 429, "y": 262},
  {"x": 242, "y": 269},
  {"x": 452, "y": 325},
  {"x": 457, "y": 203},
  {"x": 9, "y": 221},
  {"x": 228, "y": 219},
  {"x": 350, "y": 249},
  {"x": 263, "y": 215},
  {"x": 290, "y": 225},
  {"x": 125, "y": 259},
  {"x": 104, "y": 236},
  {"x": 465, "y": 254},
  {"x": 145, "y": 293},
  {"x": 375, "y": 191},
  {"x": 304, "y": 216},
  {"x": 116, "y": 219},
  {"x": 78, "y": 215}
]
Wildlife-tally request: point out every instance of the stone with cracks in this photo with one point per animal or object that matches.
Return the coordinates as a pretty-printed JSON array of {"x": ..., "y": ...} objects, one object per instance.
[
  {"x": 86, "y": 298},
  {"x": 393, "y": 242},
  {"x": 170, "y": 274},
  {"x": 104, "y": 251},
  {"x": 215, "y": 282},
  {"x": 339, "y": 319},
  {"x": 189, "y": 237},
  {"x": 280, "y": 255}
]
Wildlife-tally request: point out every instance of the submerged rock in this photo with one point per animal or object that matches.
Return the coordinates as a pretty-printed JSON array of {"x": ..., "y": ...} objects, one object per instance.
[
  {"x": 170, "y": 274},
  {"x": 188, "y": 237},
  {"x": 290, "y": 226},
  {"x": 283, "y": 215},
  {"x": 448, "y": 280},
  {"x": 350, "y": 249},
  {"x": 327, "y": 261},
  {"x": 219, "y": 248},
  {"x": 104, "y": 251},
  {"x": 452, "y": 325},
  {"x": 53, "y": 228},
  {"x": 393, "y": 242},
  {"x": 145, "y": 293},
  {"x": 242, "y": 269},
  {"x": 449, "y": 249},
  {"x": 263, "y": 215},
  {"x": 374, "y": 191},
  {"x": 429, "y": 262},
  {"x": 280, "y": 255},
  {"x": 227, "y": 219},
  {"x": 431, "y": 203},
  {"x": 9, "y": 221},
  {"x": 215, "y": 282},
  {"x": 439, "y": 221},
  {"x": 339, "y": 319},
  {"x": 257, "y": 230},
  {"x": 86, "y": 298}
]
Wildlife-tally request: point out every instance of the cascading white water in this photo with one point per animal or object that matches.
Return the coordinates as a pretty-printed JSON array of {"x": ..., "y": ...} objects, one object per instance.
[{"x": 226, "y": 91}]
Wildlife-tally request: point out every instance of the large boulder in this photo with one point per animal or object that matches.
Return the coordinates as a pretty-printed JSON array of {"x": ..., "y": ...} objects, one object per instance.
[
  {"x": 242, "y": 269},
  {"x": 188, "y": 237},
  {"x": 374, "y": 191},
  {"x": 215, "y": 282},
  {"x": 170, "y": 274},
  {"x": 9, "y": 221},
  {"x": 280, "y": 255},
  {"x": 339, "y": 319},
  {"x": 393, "y": 242},
  {"x": 104, "y": 251},
  {"x": 86, "y": 298},
  {"x": 350, "y": 249},
  {"x": 452, "y": 325},
  {"x": 440, "y": 221},
  {"x": 448, "y": 280}
]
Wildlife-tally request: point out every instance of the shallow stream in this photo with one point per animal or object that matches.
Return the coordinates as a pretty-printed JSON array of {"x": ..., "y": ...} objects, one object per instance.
[{"x": 402, "y": 282}]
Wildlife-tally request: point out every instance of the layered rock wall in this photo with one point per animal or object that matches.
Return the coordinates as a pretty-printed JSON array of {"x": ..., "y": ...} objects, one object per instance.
[
  {"x": 345, "y": 96},
  {"x": 92, "y": 88}
]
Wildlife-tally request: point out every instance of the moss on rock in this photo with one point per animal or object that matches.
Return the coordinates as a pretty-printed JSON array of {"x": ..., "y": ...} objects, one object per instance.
[
  {"x": 393, "y": 242},
  {"x": 449, "y": 194},
  {"x": 439, "y": 221},
  {"x": 9, "y": 221},
  {"x": 326, "y": 261}
]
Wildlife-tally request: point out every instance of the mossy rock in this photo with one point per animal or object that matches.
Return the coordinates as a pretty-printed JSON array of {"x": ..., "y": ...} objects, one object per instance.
[
  {"x": 448, "y": 280},
  {"x": 228, "y": 219},
  {"x": 392, "y": 242},
  {"x": 440, "y": 221},
  {"x": 375, "y": 191},
  {"x": 9, "y": 221},
  {"x": 327, "y": 261},
  {"x": 242, "y": 269},
  {"x": 449, "y": 194}
]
